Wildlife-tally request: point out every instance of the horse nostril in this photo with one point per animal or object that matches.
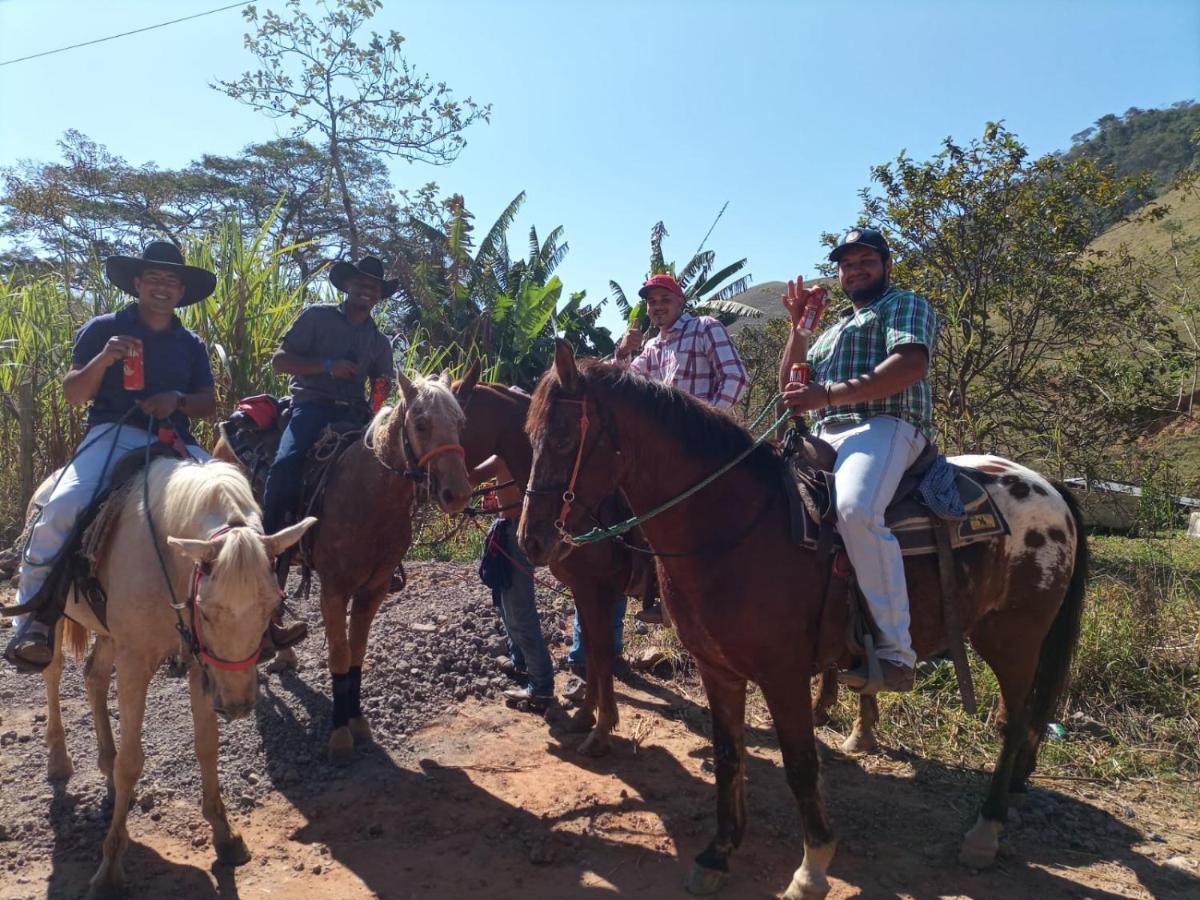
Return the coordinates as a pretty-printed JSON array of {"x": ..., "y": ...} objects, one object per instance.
[{"x": 447, "y": 496}]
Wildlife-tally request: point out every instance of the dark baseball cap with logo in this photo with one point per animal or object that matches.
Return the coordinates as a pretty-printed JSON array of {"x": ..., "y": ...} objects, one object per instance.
[{"x": 862, "y": 237}]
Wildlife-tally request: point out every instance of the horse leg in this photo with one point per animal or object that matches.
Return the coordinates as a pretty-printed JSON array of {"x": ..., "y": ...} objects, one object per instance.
[
  {"x": 727, "y": 701},
  {"x": 97, "y": 673},
  {"x": 362, "y": 613},
  {"x": 341, "y": 742},
  {"x": 58, "y": 768},
  {"x": 1015, "y": 677},
  {"x": 798, "y": 743},
  {"x": 596, "y": 612},
  {"x": 862, "y": 738},
  {"x": 827, "y": 692},
  {"x": 231, "y": 849},
  {"x": 133, "y": 680}
]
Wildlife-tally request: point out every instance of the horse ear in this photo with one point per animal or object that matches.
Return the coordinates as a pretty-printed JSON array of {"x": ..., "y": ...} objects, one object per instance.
[
  {"x": 468, "y": 383},
  {"x": 279, "y": 541},
  {"x": 406, "y": 388},
  {"x": 198, "y": 552},
  {"x": 564, "y": 365}
]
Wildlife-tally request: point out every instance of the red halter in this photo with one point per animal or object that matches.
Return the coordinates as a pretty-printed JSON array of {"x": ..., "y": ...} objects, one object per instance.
[
  {"x": 447, "y": 448},
  {"x": 569, "y": 493},
  {"x": 193, "y": 601}
]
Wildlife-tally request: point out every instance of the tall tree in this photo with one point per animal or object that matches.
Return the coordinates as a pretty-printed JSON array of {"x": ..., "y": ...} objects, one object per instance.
[
  {"x": 1038, "y": 356},
  {"x": 358, "y": 92}
]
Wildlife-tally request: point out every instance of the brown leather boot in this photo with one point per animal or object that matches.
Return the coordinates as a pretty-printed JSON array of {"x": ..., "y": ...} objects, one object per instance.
[
  {"x": 279, "y": 636},
  {"x": 896, "y": 677}
]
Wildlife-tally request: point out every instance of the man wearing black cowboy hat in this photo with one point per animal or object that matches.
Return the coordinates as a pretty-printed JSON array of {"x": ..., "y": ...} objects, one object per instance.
[
  {"x": 329, "y": 352},
  {"x": 177, "y": 384}
]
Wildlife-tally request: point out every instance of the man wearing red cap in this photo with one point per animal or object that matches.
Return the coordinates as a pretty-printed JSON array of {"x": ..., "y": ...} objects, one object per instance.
[{"x": 692, "y": 353}]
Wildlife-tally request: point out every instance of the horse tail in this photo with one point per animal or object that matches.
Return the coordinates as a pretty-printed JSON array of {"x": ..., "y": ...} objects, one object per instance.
[
  {"x": 1058, "y": 647},
  {"x": 75, "y": 638}
]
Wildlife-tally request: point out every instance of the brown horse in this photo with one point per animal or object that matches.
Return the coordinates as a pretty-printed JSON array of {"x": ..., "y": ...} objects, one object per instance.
[
  {"x": 366, "y": 529},
  {"x": 746, "y": 601},
  {"x": 219, "y": 566},
  {"x": 598, "y": 576}
]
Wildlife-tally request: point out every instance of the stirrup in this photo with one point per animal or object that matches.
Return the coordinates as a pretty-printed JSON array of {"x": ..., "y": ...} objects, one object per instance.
[
  {"x": 874, "y": 676},
  {"x": 17, "y": 646}
]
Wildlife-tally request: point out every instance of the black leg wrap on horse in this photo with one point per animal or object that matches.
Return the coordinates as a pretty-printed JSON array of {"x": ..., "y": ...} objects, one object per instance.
[
  {"x": 341, "y": 700},
  {"x": 711, "y": 859},
  {"x": 355, "y": 676}
]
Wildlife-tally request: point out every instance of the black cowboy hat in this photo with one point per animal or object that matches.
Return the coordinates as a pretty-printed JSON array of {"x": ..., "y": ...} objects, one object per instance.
[
  {"x": 343, "y": 273},
  {"x": 197, "y": 283}
]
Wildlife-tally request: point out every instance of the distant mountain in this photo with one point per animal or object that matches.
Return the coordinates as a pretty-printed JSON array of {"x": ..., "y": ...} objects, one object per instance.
[{"x": 765, "y": 298}]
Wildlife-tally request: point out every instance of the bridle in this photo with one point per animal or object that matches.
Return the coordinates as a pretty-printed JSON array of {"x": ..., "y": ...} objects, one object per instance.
[
  {"x": 192, "y": 636},
  {"x": 412, "y": 472}
]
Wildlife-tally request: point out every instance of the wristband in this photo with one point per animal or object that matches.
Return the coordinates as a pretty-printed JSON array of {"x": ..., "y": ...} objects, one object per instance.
[{"x": 327, "y": 365}]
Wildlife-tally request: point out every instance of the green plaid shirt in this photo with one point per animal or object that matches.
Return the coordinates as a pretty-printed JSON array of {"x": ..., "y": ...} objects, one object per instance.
[{"x": 863, "y": 338}]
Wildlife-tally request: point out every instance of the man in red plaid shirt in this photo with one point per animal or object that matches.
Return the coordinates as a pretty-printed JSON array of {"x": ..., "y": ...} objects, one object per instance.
[{"x": 692, "y": 353}]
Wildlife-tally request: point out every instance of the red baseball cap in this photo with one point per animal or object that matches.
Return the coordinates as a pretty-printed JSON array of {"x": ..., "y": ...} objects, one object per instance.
[{"x": 661, "y": 281}]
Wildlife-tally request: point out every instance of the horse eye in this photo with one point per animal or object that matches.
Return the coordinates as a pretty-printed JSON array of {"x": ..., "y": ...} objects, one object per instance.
[
  {"x": 206, "y": 569},
  {"x": 422, "y": 425}
]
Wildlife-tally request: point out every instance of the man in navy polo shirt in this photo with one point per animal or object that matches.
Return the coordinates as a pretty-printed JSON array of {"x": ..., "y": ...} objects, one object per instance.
[{"x": 178, "y": 383}]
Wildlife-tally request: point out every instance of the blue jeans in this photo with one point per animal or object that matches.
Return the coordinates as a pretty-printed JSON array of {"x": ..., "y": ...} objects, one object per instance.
[
  {"x": 286, "y": 478},
  {"x": 576, "y": 658},
  {"x": 519, "y": 612}
]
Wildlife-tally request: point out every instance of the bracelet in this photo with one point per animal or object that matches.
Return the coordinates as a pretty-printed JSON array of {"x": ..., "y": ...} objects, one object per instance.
[
  {"x": 828, "y": 395},
  {"x": 327, "y": 365}
]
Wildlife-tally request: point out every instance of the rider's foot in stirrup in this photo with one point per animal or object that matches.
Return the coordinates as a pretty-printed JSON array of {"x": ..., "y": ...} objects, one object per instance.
[
  {"x": 30, "y": 649},
  {"x": 282, "y": 636},
  {"x": 897, "y": 677}
]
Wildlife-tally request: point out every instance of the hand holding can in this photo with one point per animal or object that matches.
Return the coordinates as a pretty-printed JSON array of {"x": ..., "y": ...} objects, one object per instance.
[
  {"x": 133, "y": 372},
  {"x": 814, "y": 308}
]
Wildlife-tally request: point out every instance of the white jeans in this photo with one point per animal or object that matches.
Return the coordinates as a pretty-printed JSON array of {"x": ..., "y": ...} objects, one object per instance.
[
  {"x": 74, "y": 491},
  {"x": 872, "y": 456}
]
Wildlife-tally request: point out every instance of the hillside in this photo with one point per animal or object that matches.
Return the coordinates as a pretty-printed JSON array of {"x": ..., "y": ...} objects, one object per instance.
[{"x": 765, "y": 298}]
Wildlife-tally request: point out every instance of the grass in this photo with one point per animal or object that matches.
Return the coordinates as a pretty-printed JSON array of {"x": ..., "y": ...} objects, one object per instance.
[{"x": 1133, "y": 709}]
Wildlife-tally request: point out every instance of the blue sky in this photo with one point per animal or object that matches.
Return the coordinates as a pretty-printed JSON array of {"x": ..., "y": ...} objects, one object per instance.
[{"x": 613, "y": 115}]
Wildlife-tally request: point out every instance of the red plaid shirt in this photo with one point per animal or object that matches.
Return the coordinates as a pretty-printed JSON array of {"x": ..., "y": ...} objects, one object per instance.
[{"x": 696, "y": 355}]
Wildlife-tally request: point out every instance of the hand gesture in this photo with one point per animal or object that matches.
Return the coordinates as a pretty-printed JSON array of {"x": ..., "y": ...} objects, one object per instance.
[
  {"x": 120, "y": 346},
  {"x": 160, "y": 406},
  {"x": 343, "y": 368},
  {"x": 805, "y": 397},
  {"x": 795, "y": 299},
  {"x": 630, "y": 343}
]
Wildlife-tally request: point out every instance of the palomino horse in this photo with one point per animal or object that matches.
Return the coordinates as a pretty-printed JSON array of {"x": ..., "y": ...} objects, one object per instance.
[
  {"x": 598, "y": 575},
  {"x": 366, "y": 528},
  {"x": 220, "y": 561},
  {"x": 746, "y": 600}
]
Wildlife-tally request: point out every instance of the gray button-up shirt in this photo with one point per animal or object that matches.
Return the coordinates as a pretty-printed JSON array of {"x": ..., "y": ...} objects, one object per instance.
[{"x": 324, "y": 332}]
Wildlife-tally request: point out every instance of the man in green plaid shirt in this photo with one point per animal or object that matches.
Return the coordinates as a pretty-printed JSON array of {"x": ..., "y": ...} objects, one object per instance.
[{"x": 870, "y": 398}]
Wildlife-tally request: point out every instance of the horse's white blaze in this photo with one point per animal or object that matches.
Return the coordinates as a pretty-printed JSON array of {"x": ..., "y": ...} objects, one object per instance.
[{"x": 1038, "y": 517}]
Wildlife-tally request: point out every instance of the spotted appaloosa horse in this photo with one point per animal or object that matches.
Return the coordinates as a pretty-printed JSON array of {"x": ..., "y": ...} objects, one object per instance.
[{"x": 747, "y": 602}]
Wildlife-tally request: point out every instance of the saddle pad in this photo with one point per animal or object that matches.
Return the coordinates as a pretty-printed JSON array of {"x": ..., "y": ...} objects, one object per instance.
[{"x": 909, "y": 519}]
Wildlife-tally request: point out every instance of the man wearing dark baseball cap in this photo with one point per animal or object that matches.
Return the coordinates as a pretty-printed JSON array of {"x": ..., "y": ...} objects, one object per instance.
[{"x": 869, "y": 396}]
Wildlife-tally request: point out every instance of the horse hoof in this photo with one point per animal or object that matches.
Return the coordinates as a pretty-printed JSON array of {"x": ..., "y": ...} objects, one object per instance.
[
  {"x": 981, "y": 844},
  {"x": 341, "y": 747},
  {"x": 284, "y": 661},
  {"x": 59, "y": 767},
  {"x": 233, "y": 852},
  {"x": 799, "y": 891},
  {"x": 860, "y": 742},
  {"x": 595, "y": 745},
  {"x": 582, "y": 721},
  {"x": 360, "y": 730},
  {"x": 107, "y": 886},
  {"x": 702, "y": 881}
]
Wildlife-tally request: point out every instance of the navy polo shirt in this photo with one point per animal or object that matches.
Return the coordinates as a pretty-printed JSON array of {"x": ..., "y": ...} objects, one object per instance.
[{"x": 174, "y": 359}]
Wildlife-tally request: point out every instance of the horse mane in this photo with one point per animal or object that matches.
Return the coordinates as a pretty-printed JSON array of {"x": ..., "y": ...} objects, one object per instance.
[
  {"x": 705, "y": 431},
  {"x": 387, "y": 426},
  {"x": 190, "y": 500}
]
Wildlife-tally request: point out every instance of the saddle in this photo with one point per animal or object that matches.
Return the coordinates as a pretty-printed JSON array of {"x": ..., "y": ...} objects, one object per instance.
[
  {"x": 75, "y": 568},
  {"x": 811, "y": 490}
]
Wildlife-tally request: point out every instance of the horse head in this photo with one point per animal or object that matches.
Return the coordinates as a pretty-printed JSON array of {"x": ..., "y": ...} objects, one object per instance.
[
  {"x": 232, "y": 596},
  {"x": 576, "y": 460},
  {"x": 428, "y": 428}
]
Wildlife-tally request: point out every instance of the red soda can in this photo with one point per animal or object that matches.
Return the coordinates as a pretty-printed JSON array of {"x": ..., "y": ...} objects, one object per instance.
[
  {"x": 380, "y": 388},
  {"x": 817, "y": 298},
  {"x": 134, "y": 374},
  {"x": 798, "y": 374}
]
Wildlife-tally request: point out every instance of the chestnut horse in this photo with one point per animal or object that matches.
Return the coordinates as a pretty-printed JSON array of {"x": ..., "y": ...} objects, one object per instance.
[
  {"x": 219, "y": 564},
  {"x": 598, "y": 576},
  {"x": 366, "y": 529},
  {"x": 746, "y": 600}
]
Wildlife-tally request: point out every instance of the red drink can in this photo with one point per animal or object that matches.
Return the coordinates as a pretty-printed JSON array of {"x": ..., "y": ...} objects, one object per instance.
[
  {"x": 380, "y": 388},
  {"x": 798, "y": 374},
  {"x": 817, "y": 298},
  {"x": 134, "y": 374}
]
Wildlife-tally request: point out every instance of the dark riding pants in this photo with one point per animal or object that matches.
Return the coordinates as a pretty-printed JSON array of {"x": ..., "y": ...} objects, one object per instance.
[{"x": 285, "y": 479}]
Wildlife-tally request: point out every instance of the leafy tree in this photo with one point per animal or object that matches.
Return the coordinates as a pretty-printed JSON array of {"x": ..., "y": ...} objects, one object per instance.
[
  {"x": 358, "y": 93},
  {"x": 1038, "y": 354},
  {"x": 706, "y": 292}
]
